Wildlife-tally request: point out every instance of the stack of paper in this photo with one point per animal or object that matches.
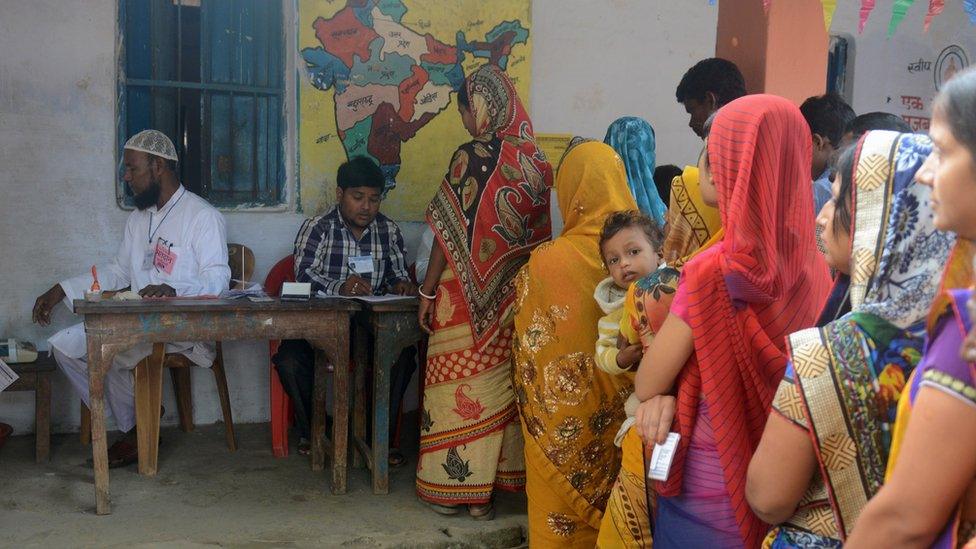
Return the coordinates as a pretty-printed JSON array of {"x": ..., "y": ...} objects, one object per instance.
[
  {"x": 7, "y": 376},
  {"x": 250, "y": 289}
]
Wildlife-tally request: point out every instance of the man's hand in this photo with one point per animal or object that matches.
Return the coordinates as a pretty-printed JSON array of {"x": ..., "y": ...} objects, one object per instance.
[
  {"x": 45, "y": 304},
  {"x": 405, "y": 287},
  {"x": 158, "y": 290},
  {"x": 630, "y": 356},
  {"x": 654, "y": 419},
  {"x": 355, "y": 285}
]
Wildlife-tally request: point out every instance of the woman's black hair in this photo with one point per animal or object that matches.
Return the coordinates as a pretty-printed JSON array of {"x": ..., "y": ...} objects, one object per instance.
[
  {"x": 957, "y": 101},
  {"x": 844, "y": 169},
  {"x": 462, "y": 96}
]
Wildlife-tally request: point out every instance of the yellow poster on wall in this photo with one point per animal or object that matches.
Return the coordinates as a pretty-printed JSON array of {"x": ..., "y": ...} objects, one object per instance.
[{"x": 378, "y": 78}]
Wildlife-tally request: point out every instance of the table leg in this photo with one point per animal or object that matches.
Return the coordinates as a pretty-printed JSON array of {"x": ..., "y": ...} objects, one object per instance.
[
  {"x": 340, "y": 423},
  {"x": 318, "y": 410},
  {"x": 360, "y": 365},
  {"x": 149, "y": 393},
  {"x": 42, "y": 415},
  {"x": 100, "y": 356},
  {"x": 386, "y": 351}
]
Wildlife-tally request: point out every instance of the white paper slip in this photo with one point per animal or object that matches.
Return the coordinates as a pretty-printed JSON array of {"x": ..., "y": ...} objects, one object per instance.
[
  {"x": 7, "y": 376},
  {"x": 384, "y": 298},
  {"x": 661, "y": 458}
]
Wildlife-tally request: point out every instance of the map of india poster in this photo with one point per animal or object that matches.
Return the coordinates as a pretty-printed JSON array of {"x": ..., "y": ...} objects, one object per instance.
[{"x": 379, "y": 78}]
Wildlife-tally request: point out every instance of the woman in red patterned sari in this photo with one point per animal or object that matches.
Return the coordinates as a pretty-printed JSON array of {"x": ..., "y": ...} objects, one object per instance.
[
  {"x": 721, "y": 349},
  {"x": 491, "y": 210}
]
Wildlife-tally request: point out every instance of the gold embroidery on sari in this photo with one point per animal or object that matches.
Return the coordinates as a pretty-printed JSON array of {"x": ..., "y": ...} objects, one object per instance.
[
  {"x": 560, "y": 524},
  {"x": 568, "y": 430},
  {"x": 567, "y": 378},
  {"x": 540, "y": 332}
]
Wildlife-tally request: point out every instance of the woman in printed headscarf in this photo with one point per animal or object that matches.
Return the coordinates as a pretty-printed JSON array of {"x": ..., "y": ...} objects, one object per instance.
[
  {"x": 722, "y": 345},
  {"x": 633, "y": 139},
  {"x": 814, "y": 472},
  {"x": 490, "y": 212},
  {"x": 929, "y": 495},
  {"x": 694, "y": 227},
  {"x": 570, "y": 408}
]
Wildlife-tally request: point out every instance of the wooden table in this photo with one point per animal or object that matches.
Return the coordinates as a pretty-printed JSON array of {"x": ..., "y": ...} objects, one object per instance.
[
  {"x": 392, "y": 326},
  {"x": 113, "y": 326},
  {"x": 36, "y": 376}
]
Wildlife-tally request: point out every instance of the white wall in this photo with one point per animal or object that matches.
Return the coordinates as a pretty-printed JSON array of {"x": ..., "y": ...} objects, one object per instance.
[
  {"x": 594, "y": 60},
  {"x": 881, "y": 75}
]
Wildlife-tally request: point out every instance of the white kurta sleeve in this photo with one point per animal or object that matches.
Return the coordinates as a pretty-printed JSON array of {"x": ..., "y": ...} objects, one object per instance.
[
  {"x": 208, "y": 244},
  {"x": 113, "y": 275}
]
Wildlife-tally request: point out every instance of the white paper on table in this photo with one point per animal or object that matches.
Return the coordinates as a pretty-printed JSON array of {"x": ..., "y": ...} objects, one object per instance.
[
  {"x": 7, "y": 376},
  {"x": 371, "y": 298},
  {"x": 252, "y": 289}
]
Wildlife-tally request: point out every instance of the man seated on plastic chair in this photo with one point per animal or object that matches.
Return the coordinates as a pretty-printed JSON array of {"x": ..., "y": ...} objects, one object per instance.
[
  {"x": 353, "y": 250},
  {"x": 174, "y": 244}
]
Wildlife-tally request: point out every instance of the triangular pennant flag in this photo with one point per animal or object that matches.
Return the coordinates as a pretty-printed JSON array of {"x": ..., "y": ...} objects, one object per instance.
[
  {"x": 898, "y": 12},
  {"x": 828, "y": 9},
  {"x": 711, "y": 2},
  {"x": 970, "y": 7},
  {"x": 866, "y": 7},
  {"x": 935, "y": 8}
]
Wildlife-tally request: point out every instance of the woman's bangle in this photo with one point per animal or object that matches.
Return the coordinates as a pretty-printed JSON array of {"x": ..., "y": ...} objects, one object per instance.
[{"x": 425, "y": 296}]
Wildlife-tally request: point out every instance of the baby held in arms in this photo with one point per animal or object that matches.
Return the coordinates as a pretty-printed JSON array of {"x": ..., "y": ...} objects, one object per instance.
[{"x": 629, "y": 245}]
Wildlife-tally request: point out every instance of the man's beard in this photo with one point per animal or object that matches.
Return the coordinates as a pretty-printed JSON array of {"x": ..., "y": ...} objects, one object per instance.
[{"x": 148, "y": 197}]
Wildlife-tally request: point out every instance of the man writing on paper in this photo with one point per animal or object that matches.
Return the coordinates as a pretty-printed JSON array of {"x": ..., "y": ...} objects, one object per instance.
[
  {"x": 174, "y": 244},
  {"x": 353, "y": 250}
]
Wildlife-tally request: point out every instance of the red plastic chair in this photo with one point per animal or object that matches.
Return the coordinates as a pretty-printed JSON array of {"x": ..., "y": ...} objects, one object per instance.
[{"x": 282, "y": 412}]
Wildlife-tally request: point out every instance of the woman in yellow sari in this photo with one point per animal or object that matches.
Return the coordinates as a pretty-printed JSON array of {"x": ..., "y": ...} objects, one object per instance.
[
  {"x": 570, "y": 409},
  {"x": 692, "y": 226}
]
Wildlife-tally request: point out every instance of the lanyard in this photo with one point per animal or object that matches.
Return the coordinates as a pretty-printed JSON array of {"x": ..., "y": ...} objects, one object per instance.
[{"x": 153, "y": 233}]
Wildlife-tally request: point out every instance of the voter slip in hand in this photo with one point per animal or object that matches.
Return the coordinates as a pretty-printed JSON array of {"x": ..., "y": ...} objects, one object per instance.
[{"x": 660, "y": 464}]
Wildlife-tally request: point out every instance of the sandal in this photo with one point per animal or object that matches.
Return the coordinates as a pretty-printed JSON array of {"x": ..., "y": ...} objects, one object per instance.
[
  {"x": 446, "y": 510},
  {"x": 482, "y": 512},
  {"x": 396, "y": 458},
  {"x": 304, "y": 447}
]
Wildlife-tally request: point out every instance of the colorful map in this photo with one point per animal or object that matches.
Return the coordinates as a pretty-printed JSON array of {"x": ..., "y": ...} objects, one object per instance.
[{"x": 379, "y": 78}]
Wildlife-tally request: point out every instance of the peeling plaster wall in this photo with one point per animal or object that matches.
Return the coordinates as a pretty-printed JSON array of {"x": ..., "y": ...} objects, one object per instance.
[{"x": 594, "y": 60}]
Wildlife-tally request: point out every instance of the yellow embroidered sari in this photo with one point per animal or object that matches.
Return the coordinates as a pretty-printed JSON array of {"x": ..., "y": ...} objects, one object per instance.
[
  {"x": 570, "y": 409},
  {"x": 692, "y": 227}
]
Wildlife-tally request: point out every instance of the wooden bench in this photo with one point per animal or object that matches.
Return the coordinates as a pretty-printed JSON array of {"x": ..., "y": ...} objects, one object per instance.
[{"x": 36, "y": 376}]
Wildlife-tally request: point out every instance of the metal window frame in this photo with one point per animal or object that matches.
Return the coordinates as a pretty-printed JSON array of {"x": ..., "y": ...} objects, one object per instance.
[{"x": 123, "y": 84}]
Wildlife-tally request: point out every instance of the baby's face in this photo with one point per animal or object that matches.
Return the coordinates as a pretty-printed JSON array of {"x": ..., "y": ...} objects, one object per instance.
[{"x": 629, "y": 256}]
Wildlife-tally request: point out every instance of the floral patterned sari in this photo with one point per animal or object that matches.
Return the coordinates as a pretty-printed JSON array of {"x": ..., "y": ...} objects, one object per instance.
[
  {"x": 570, "y": 409},
  {"x": 845, "y": 378}
]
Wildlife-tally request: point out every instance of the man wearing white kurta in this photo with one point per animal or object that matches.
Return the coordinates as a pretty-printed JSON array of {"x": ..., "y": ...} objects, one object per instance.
[{"x": 174, "y": 244}]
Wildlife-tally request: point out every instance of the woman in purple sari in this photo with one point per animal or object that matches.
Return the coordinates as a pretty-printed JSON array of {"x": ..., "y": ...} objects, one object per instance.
[{"x": 929, "y": 496}]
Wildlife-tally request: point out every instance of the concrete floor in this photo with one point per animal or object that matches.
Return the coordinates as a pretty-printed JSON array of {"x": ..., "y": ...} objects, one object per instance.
[{"x": 204, "y": 495}]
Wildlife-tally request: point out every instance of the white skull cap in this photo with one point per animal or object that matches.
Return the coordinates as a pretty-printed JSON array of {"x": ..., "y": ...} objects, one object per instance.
[{"x": 152, "y": 142}]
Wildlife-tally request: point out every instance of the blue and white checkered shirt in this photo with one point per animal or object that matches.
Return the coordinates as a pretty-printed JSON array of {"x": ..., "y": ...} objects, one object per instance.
[{"x": 325, "y": 245}]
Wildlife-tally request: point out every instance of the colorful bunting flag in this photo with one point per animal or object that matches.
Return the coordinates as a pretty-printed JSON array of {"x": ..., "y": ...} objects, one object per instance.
[
  {"x": 828, "y": 10},
  {"x": 935, "y": 8},
  {"x": 866, "y": 7},
  {"x": 898, "y": 11},
  {"x": 970, "y": 7}
]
